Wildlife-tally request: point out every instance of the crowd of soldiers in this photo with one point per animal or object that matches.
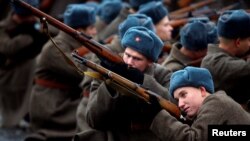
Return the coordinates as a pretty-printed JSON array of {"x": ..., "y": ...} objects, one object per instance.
[{"x": 200, "y": 65}]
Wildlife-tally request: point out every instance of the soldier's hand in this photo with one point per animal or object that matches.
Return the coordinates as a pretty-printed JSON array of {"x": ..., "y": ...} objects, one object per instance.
[
  {"x": 132, "y": 74},
  {"x": 156, "y": 107}
]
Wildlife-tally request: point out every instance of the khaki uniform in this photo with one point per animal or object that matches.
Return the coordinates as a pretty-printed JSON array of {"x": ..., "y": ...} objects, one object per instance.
[
  {"x": 19, "y": 45},
  {"x": 217, "y": 109},
  {"x": 115, "y": 46},
  {"x": 229, "y": 73},
  {"x": 123, "y": 117},
  {"x": 100, "y": 25},
  {"x": 112, "y": 28},
  {"x": 56, "y": 94},
  {"x": 176, "y": 60}
]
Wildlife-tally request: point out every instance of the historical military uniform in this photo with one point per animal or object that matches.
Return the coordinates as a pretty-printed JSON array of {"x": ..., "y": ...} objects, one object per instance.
[
  {"x": 112, "y": 28},
  {"x": 191, "y": 49},
  {"x": 113, "y": 109},
  {"x": 129, "y": 115},
  {"x": 229, "y": 73},
  {"x": 229, "y": 70},
  {"x": 56, "y": 93},
  {"x": 19, "y": 45},
  {"x": 193, "y": 87},
  {"x": 177, "y": 60},
  {"x": 217, "y": 109},
  {"x": 114, "y": 46}
]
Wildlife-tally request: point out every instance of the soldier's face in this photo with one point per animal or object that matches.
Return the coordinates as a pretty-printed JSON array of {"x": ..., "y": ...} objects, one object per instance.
[
  {"x": 164, "y": 29},
  {"x": 135, "y": 59},
  {"x": 189, "y": 99},
  {"x": 90, "y": 30}
]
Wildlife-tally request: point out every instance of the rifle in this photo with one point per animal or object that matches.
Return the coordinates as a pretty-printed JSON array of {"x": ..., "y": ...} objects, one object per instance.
[
  {"x": 139, "y": 91},
  {"x": 211, "y": 14},
  {"x": 101, "y": 51},
  {"x": 215, "y": 15},
  {"x": 84, "y": 39},
  {"x": 191, "y": 7},
  {"x": 178, "y": 22}
]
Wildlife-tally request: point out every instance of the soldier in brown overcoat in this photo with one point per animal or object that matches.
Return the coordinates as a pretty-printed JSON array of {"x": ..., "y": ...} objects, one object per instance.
[{"x": 56, "y": 93}]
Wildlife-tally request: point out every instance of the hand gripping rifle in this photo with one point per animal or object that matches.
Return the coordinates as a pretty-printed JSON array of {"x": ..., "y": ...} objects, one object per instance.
[
  {"x": 139, "y": 91},
  {"x": 84, "y": 39},
  {"x": 103, "y": 52}
]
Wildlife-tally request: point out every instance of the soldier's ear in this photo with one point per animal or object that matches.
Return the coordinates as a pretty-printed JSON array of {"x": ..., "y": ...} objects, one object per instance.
[
  {"x": 237, "y": 42},
  {"x": 203, "y": 91},
  {"x": 248, "y": 41}
]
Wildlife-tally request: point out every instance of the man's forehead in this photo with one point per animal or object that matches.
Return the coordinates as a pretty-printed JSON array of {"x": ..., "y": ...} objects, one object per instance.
[
  {"x": 182, "y": 90},
  {"x": 133, "y": 52}
]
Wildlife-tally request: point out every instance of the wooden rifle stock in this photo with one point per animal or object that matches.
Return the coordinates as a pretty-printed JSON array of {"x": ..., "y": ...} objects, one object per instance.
[
  {"x": 211, "y": 14},
  {"x": 178, "y": 22},
  {"x": 184, "y": 3},
  {"x": 167, "y": 47},
  {"x": 142, "y": 93},
  {"x": 84, "y": 39},
  {"x": 191, "y": 7},
  {"x": 215, "y": 15}
]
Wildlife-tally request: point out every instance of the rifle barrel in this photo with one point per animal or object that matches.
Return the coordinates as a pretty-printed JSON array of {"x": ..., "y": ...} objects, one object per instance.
[
  {"x": 142, "y": 93},
  {"x": 84, "y": 39},
  {"x": 191, "y": 7}
]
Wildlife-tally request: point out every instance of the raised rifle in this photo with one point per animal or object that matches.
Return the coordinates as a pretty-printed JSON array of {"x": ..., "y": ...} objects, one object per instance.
[
  {"x": 103, "y": 52},
  {"x": 121, "y": 81},
  {"x": 97, "y": 48},
  {"x": 215, "y": 15},
  {"x": 191, "y": 7},
  {"x": 179, "y": 22},
  {"x": 211, "y": 14}
]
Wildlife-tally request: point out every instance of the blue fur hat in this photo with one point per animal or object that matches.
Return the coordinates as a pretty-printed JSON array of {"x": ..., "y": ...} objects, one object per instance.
[
  {"x": 108, "y": 10},
  {"x": 234, "y": 24},
  {"x": 93, "y": 4},
  {"x": 212, "y": 36},
  {"x": 212, "y": 32},
  {"x": 144, "y": 41},
  {"x": 156, "y": 10},
  {"x": 191, "y": 76},
  {"x": 79, "y": 15},
  {"x": 137, "y": 3},
  {"x": 136, "y": 20},
  {"x": 22, "y": 11},
  {"x": 193, "y": 36}
]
